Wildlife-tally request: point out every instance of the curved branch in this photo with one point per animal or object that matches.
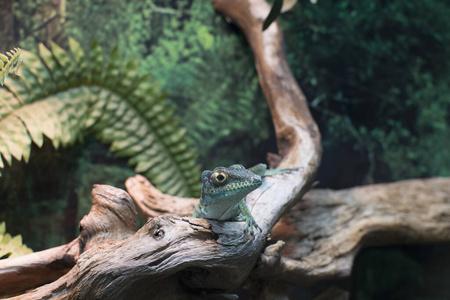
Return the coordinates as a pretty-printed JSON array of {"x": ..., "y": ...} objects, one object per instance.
[
  {"x": 112, "y": 218},
  {"x": 326, "y": 230},
  {"x": 24, "y": 272},
  {"x": 298, "y": 137},
  {"x": 201, "y": 254},
  {"x": 151, "y": 202},
  {"x": 297, "y": 134}
]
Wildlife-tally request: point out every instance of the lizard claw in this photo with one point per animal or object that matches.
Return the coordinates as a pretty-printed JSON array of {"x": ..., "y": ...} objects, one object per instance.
[{"x": 250, "y": 225}]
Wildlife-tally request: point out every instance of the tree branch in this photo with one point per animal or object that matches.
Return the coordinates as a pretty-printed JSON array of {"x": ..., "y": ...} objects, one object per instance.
[
  {"x": 151, "y": 202},
  {"x": 24, "y": 272},
  {"x": 326, "y": 230},
  {"x": 112, "y": 218},
  {"x": 210, "y": 255}
]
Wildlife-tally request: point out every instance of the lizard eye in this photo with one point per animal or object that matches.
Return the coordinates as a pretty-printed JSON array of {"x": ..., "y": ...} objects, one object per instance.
[{"x": 220, "y": 178}]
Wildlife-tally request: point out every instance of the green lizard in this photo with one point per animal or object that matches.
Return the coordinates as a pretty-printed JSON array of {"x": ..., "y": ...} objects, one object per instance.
[{"x": 224, "y": 191}]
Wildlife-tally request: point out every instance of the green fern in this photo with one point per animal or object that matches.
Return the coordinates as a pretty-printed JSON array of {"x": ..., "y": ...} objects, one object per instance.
[
  {"x": 11, "y": 246},
  {"x": 12, "y": 63},
  {"x": 222, "y": 109},
  {"x": 65, "y": 96}
]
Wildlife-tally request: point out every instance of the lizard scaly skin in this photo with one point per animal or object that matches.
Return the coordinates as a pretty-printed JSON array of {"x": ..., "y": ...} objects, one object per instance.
[{"x": 224, "y": 191}]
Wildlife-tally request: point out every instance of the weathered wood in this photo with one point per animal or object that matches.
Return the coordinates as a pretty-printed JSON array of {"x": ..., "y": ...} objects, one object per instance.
[
  {"x": 112, "y": 218},
  {"x": 134, "y": 268},
  {"x": 298, "y": 137},
  {"x": 211, "y": 258},
  {"x": 151, "y": 202},
  {"x": 325, "y": 231},
  {"x": 29, "y": 271}
]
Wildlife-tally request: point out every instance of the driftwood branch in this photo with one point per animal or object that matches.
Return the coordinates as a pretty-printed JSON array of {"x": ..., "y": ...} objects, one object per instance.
[
  {"x": 112, "y": 218},
  {"x": 114, "y": 268},
  {"x": 326, "y": 230},
  {"x": 174, "y": 256},
  {"x": 298, "y": 137},
  {"x": 29, "y": 271},
  {"x": 151, "y": 202},
  {"x": 320, "y": 236}
]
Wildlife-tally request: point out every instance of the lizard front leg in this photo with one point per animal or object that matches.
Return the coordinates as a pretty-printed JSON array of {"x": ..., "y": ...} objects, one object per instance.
[{"x": 245, "y": 215}]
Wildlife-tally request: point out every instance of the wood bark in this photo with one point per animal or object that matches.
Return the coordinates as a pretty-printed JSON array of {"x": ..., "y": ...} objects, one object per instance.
[
  {"x": 320, "y": 236},
  {"x": 324, "y": 232},
  {"x": 112, "y": 218},
  {"x": 29, "y": 271}
]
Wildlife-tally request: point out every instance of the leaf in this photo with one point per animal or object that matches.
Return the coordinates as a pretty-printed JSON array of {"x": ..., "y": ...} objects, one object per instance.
[
  {"x": 14, "y": 135},
  {"x": 11, "y": 246},
  {"x": 29, "y": 118},
  {"x": 96, "y": 62},
  {"x": 54, "y": 72},
  {"x": 273, "y": 14},
  {"x": 113, "y": 68},
  {"x": 12, "y": 63},
  {"x": 34, "y": 77},
  {"x": 64, "y": 61},
  {"x": 68, "y": 95},
  {"x": 80, "y": 62}
]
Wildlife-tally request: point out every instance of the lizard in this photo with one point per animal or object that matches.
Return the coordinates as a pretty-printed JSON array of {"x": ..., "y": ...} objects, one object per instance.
[{"x": 224, "y": 191}]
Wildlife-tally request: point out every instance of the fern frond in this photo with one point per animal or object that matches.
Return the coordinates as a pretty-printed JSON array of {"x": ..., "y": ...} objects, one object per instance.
[
  {"x": 66, "y": 95},
  {"x": 11, "y": 246},
  {"x": 9, "y": 63}
]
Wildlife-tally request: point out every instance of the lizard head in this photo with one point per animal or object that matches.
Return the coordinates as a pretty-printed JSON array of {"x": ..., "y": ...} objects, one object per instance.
[{"x": 229, "y": 184}]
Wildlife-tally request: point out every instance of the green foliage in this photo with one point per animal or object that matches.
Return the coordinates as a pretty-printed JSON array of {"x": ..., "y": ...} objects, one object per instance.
[
  {"x": 206, "y": 67},
  {"x": 218, "y": 107},
  {"x": 11, "y": 246},
  {"x": 133, "y": 25},
  {"x": 273, "y": 14},
  {"x": 210, "y": 74},
  {"x": 9, "y": 63},
  {"x": 377, "y": 75},
  {"x": 45, "y": 199},
  {"x": 31, "y": 20},
  {"x": 66, "y": 96}
]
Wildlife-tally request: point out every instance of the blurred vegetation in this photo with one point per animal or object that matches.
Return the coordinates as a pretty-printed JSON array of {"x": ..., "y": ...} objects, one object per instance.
[
  {"x": 385, "y": 269},
  {"x": 45, "y": 199},
  {"x": 204, "y": 65},
  {"x": 376, "y": 74},
  {"x": 401, "y": 272},
  {"x": 65, "y": 95}
]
